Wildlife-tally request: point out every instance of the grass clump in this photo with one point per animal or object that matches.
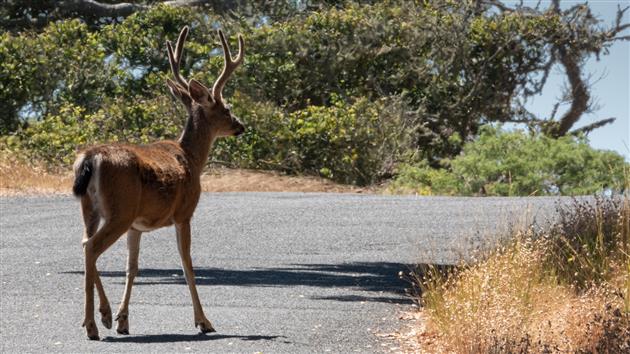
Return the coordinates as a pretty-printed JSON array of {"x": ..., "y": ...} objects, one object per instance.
[
  {"x": 590, "y": 242},
  {"x": 566, "y": 289}
]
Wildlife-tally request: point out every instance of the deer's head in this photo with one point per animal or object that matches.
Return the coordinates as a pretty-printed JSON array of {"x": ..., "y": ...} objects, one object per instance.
[{"x": 200, "y": 100}]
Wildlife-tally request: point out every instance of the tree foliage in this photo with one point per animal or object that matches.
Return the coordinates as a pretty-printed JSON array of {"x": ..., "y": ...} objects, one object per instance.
[
  {"x": 344, "y": 89},
  {"x": 509, "y": 163}
]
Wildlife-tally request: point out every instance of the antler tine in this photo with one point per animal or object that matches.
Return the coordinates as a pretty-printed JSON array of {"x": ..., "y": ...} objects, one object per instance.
[
  {"x": 229, "y": 65},
  {"x": 175, "y": 59}
]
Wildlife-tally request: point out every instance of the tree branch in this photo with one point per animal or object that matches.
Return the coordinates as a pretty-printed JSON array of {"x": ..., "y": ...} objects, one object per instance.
[
  {"x": 619, "y": 27},
  {"x": 91, "y": 8},
  {"x": 569, "y": 52},
  {"x": 95, "y": 9},
  {"x": 589, "y": 128},
  {"x": 579, "y": 92}
]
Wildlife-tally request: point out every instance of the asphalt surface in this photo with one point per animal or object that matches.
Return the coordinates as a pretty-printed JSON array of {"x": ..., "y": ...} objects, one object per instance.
[{"x": 276, "y": 272}]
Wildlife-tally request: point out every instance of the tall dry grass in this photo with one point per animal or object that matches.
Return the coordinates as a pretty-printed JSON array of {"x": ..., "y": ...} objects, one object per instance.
[
  {"x": 566, "y": 289},
  {"x": 590, "y": 242},
  {"x": 18, "y": 177}
]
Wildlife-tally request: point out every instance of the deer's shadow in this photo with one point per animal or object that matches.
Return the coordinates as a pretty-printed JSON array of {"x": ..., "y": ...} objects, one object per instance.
[
  {"x": 170, "y": 338},
  {"x": 379, "y": 278}
]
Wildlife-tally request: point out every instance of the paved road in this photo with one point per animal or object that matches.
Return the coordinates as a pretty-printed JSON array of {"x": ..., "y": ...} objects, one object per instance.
[{"x": 276, "y": 272}]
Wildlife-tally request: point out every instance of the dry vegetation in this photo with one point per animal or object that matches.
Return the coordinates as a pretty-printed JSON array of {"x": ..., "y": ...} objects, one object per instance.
[
  {"x": 17, "y": 178},
  {"x": 566, "y": 289}
]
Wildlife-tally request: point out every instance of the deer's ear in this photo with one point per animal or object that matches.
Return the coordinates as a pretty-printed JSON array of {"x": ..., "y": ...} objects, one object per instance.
[
  {"x": 175, "y": 89},
  {"x": 179, "y": 92},
  {"x": 198, "y": 92}
]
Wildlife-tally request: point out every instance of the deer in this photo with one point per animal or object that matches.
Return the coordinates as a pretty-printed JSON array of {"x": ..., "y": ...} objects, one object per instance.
[{"x": 132, "y": 189}]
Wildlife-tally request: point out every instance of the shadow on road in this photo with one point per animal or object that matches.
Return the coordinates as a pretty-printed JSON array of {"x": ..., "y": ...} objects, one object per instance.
[
  {"x": 169, "y": 338},
  {"x": 380, "y": 277}
]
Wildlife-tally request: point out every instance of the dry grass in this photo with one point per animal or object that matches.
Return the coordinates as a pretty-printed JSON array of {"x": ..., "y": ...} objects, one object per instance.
[
  {"x": 17, "y": 178},
  {"x": 521, "y": 298},
  {"x": 509, "y": 303}
]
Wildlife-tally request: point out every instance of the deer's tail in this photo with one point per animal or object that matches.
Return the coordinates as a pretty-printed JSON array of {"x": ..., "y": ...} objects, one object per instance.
[{"x": 83, "y": 168}]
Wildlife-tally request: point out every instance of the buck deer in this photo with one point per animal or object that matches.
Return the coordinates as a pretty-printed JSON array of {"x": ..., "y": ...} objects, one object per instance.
[{"x": 139, "y": 188}]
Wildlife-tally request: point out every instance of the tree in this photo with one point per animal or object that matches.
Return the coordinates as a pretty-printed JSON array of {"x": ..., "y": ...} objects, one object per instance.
[
  {"x": 451, "y": 66},
  {"x": 579, "y": 37}
]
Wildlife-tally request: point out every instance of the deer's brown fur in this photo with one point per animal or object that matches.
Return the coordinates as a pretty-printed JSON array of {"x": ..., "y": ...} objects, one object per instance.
[{"x": 139, "y": 188}]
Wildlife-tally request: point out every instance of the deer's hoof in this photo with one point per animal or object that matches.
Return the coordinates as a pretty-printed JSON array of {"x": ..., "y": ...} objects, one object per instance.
[
  {"x": 123, "y": 324},
  {"x": 91, "y": 330},
  {"x": 205, "y": 326},
  {"x": 106, "y": 318}
]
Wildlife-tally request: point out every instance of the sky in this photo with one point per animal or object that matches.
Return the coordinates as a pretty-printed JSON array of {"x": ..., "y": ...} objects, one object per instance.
[{"x": 610, "y": 77}]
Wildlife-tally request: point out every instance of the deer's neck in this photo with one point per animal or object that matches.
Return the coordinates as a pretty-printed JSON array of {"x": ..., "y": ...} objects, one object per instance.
[{"x": 197, "y": 139}]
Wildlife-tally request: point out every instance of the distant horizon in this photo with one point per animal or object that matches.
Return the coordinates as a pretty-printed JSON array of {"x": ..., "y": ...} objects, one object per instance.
[{"x": 610, "y": 92}]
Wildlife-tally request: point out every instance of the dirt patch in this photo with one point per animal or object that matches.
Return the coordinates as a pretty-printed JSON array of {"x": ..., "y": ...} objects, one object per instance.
[
  {"x": 231, "y": 180},
  {"x": 18, "y": 179},
  {"x": 409, "y": 338}
]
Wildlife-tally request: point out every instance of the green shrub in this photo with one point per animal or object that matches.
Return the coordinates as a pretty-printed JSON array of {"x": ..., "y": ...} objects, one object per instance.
[
  {"x": 508, "y": 163},
  {"x": 346, "y": 92},
  {"x": 515, "y": 163},
  {"x": 40, "y": 73},
  {"x": 348, "y": 143},
  {"x": 56, "y": 139},
  {"x": 423, "y": 180},
  {"x": 450, "y": 63}
]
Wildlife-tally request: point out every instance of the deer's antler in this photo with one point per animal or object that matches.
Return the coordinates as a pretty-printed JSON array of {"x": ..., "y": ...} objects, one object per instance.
[
  {"x": 175, "y": 60},
  {"x": 229, "y": 66}
]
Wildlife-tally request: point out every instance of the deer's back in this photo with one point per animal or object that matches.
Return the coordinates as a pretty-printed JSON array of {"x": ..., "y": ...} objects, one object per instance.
[{"x": 150, "y": 183}]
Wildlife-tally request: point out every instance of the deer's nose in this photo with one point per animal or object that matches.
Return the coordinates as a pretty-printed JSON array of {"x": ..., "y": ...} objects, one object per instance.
[
  {"x": 239, "y": 131},
  {"x": 239, "y": 127}
]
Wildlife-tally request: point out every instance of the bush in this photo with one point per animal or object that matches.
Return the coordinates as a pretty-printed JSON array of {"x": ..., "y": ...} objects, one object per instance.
[
  {"x": 423, "y": 180},
  {"x": 563, "y": 289},
  {"x": 40, "y": 73},
  {"x": 451, "y": 65},
  {"x": 347, "y": 92},
  {"x": 348, "y": 143},
  {"x": 56, "y": 139},
  {"x": 454, "y": 65},
  {"x": 506, "y": 163}
]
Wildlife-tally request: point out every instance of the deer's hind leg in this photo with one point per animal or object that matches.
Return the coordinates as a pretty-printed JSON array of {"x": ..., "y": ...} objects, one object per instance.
[
  {"x": 91, "y": 219},
  {"x": 94, "y": 244},
  {"x": 109, "y": 233}
]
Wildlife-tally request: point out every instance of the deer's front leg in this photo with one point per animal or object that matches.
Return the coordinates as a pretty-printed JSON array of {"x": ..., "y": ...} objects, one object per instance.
[
  {"x": 133, "y": 247},
  {"x": 183, "y": 245}
]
